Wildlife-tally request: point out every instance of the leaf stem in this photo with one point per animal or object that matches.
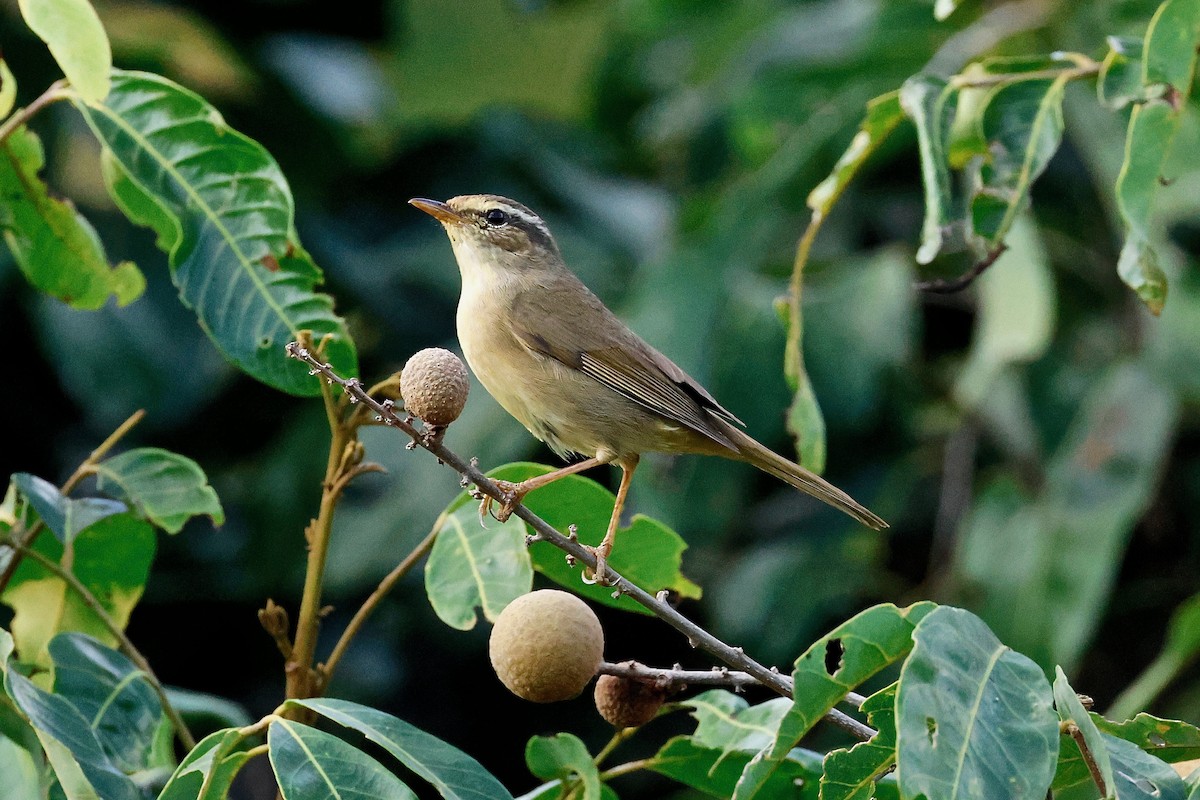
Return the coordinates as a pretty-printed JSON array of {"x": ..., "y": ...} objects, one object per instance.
[
  {"x": 381, "y": 591},
  {"x": 1084, "y": 68},
  {"x": 696, "y": 636},
  {"x": 939, "y": 286},
  {"x": 55, "y": 92},
  {"x": 127, "y": 646},
  {"x": 616, "y": 741}
]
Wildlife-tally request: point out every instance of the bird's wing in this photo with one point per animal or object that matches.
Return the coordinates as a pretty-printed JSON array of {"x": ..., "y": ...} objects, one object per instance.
[{"x": 616, "y": 357}]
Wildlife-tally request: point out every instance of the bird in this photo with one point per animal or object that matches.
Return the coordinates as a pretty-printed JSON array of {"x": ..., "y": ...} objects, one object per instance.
[{"x": 569, "y": 370}]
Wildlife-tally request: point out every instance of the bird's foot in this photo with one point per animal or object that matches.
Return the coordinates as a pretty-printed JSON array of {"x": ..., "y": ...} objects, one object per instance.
[
  {"x": 512, "y": 494},
  {"x": 601, "y": 575}
]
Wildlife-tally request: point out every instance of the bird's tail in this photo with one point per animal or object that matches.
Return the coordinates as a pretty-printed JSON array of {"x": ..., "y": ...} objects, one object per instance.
[{"x": 804, "y": 480}]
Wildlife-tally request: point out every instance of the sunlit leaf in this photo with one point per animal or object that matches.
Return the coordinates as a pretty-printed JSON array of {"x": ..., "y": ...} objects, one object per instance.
[
  {"x": 1071, "y": 710},
  {"x": 166, "y": 488},
  {"x": 454, "y": 774},
  {"x": 471, "y": 566},
  {"x": 57, "y": 249},
  {"x": 76, "y": 38},
  {"x": 646, "y": 552},
  {"x": 930, "y": 103},
  {"x": 960, "y": 691},
  {"x": 235, "y": 258},
  {"x": 110, "y": 692},
  {"x": 563, "y": 756},
  {"x": 313, "y": 765},
  {"x": 835, "y": 664},
  {"x": 111, "y": 558},
  {"x": 852, "y": 774}
]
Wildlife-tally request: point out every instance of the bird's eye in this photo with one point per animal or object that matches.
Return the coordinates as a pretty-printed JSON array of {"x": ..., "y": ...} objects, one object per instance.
[{"x": 496, "y": 217}]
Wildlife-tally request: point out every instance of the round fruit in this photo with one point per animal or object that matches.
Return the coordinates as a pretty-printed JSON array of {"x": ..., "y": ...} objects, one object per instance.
[
  {"x": 627, "y": 703},
  {"x": 434, "y": 386},
  {"x": 546, "y": 646}
]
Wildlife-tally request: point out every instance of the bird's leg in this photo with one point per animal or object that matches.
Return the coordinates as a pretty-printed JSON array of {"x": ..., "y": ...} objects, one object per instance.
[
  {"x": 602, "y": 552},
  {"x": 515, "y": 492}
]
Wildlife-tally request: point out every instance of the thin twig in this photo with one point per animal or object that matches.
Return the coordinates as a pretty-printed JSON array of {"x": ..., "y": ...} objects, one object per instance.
[
  {"x": 55, "y": 92},
  {"x": 696, "y": 636},
  {"x": 82, "y": 471},
  {"x": 674, "y": 679},
  {"x": 1075, "y": 733},
  {"x": 381, "y": 591},
  {"x": 617, "y": 739},
  {"x": 127, "y": 647},
  {"x": 940, "y": 286}
]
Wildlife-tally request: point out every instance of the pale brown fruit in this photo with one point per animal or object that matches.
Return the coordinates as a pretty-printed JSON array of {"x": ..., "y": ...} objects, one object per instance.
[
  {"x": 627, "y": 703},
  {"x": 546, "y": 646},
  {"x": 434, "y": 386}
]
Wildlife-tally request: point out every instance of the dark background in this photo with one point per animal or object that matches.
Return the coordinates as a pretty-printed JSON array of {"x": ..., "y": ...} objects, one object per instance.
[{"x": 670, "y": 145}]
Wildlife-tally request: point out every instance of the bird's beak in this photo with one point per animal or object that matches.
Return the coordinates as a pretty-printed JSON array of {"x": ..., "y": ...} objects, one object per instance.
[{"x": 438, "y": 210}]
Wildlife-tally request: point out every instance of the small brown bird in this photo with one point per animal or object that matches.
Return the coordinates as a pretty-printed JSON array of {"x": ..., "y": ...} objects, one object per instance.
[{"x": 572, "y": 373}]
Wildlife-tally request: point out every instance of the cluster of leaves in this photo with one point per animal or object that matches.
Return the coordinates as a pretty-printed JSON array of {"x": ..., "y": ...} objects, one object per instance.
[{"x": 220, "y": 207}]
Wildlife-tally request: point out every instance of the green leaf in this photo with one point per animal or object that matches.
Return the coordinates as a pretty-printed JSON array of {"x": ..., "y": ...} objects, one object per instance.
[
  {"x": 64, "y": 517},
  {"x": 884, "y": 113},
  {"x": 1022, "y": 123},
  {"x": 929, "y": 102},
  {"x": 138, "y": 204},
  {"x": 837, "y": 663},
  {"x": 647, "y": 552},
  {"x": 727, "y": 722},
  {"x": 1071, "y": 710},
  {"x": 1015, "y": 318},
  {"x": 76, "y": 38},
  {"x": 454, "y": 774},
  {"x": 78, "y": 760},
  {"x": 852, "y": 774},
  {"x": 1120, "y": 80},
  {"x": 562, "y": 756},
  {"x": 111, "y": 558},
  {"x": 110, "y": 692},
  {"x": 210, "y": 710},
  {"x": 471, "y": 566},
  {"x": 166, "y": 488},
  {"x": 8, "y": 89},
  {"x": 716, "y": 771},
  {"x": 188, "y": 779},
  {"x": 1170, "y": 48},
  {"x": 1171, "y": 740},
  {"x": 235, "y": 237},
  {"x": 19, "y": 772},
  {"x": 313, "y": 765},
  {"x": 961, "y": 691},
  {"x": 1137, "y": 775},
  {"x": 57, "y": 250}
]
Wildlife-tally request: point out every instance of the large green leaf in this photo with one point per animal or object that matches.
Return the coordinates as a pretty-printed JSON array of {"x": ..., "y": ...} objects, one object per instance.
[
  {"x": 836, "y": 664},
  {"x": 1136, "y": 774},
  {"x": 57, "y": 249},
  {"x": 471, "y": 566},
  {"x": 313, "y": 765},
  {"x": 929, "y": 102},
  {"x": 564, "y": 757},
  {"x": 1171, "y": 740},
  {"x": 234, "y": 252},
  {"x": 112, "y": 694},
  {"x": 78, "y": 760},
  {"x": 1022, "y": 124},
  {"x": 1168, "y": 68},
  {"x": 76, "y": 38},
  {"x": 973, "y": 718},
  {"x": 111, "y": 558},
  {"x": 166, "y": 488},
  {"x": 853, "y": 774},
  {"x": 454, "y": 774},
  {"x": 1071, "y": 710},
  {"x": 64, "y": 517},
  {"x": 647, "y": 552},
  {"x": 715, "y": 771}
]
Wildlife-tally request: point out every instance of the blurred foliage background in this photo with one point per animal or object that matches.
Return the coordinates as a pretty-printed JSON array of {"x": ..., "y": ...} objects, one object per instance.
[{"x": 1034, "y": 441}]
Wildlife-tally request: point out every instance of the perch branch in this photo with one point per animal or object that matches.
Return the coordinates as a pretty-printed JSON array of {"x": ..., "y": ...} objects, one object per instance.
[
  {"x": 698, "y": 637},
  {"x": 677, "y": 678}
]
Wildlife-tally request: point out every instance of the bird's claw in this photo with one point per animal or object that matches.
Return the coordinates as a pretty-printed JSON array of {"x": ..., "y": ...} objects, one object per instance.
[
  {"x": 600, "y": 575},
  {"x": 512, "y": 493}
]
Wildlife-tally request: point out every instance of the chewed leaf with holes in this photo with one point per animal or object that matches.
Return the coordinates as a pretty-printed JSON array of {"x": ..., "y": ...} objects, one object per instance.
[
  {"x": 851, "y": 774},
  {"x": 220, "y": 203},
  {"x": 471, "y": 566},
  {"x": 1171, "y": 740},
  {"x": 963, "y": 693},
  {"x": 837, "y": 663}
]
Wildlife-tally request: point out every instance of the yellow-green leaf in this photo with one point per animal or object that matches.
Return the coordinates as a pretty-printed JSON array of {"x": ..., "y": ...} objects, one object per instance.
[{"x": 76, "y": 38}]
